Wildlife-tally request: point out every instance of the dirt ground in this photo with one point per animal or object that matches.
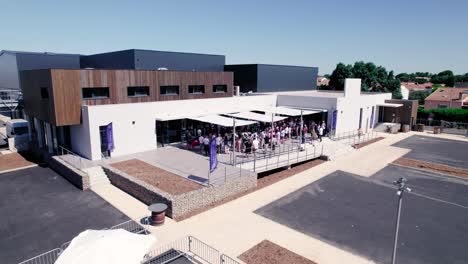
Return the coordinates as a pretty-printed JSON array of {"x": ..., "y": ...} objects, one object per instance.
[
  {"x": 162, "y": 179},
  {"x": 262, "y": 182},
  {"x": 267, "y": 252},
  {"x": 424, "y": 165},
  {"x": 13, "y": 161},
  {"x": 358, "y": 146}
]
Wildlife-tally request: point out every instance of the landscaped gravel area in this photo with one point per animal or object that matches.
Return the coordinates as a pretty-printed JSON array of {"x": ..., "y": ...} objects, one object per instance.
[
  {"x": 430, "y": 166},
  {"x": 162, "y": 179},
  {"x": 267, "y": 252}
]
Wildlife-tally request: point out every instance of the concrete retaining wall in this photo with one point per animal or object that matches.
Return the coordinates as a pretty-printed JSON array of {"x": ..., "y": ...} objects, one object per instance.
[
  {"x": 182, "y": 204},
  {"x": 79, "y": 178}
]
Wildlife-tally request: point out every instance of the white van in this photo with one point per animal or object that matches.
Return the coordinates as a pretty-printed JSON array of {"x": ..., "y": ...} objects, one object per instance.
[{"x": 17, "y": 128}]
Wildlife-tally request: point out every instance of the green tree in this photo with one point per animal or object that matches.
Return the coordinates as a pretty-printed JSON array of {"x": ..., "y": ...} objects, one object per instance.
[
  {"x": 444, "y": 77},
  {"x": 338, "y": 76},
  {"x": 419, "y": 95}
]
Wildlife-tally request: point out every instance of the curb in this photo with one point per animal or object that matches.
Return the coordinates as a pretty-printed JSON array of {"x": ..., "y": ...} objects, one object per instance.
[{"x": 20, "y": 168}]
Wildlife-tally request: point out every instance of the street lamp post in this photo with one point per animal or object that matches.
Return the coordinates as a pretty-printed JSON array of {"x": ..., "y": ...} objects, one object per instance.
[{"x": 401, "y": 183}]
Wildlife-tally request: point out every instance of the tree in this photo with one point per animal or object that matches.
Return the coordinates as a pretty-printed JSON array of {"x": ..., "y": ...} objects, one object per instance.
[
  {"x": 373, "y": 78},
  {"x": 444, "y": 77},
  {"x": 419, "y": 95},
  {"x": 338, "y": 76}
]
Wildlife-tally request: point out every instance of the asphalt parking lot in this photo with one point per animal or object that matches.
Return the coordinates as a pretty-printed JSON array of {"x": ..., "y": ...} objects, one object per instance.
[
  {"x": 438, "y": 150},
  {"x": 40, "y": 210},
  {"x": 358, "y": 214}
]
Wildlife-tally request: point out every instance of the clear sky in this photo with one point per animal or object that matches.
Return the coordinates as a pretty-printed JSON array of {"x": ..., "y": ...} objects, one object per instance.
[{"x": 410, "y": 35}]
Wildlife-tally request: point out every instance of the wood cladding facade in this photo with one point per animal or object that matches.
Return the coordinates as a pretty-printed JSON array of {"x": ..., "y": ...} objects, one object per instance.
[{"x": 65, "y": 89}]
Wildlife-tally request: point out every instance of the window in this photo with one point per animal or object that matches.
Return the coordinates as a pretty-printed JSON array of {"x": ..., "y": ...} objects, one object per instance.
[
  {"x": 169, "y": 90},
  {"x": 95, "y": 92},
  {"x": 196, "y": 89},
  {"x": 220, "y": 88},
  {"x": 442, "y": 106},
  {"x": 44, "y": 93},
  {"x": 137, "y": 91},
  {"x": 21, "y": 131},
  {"x": 360, "y": 118}
]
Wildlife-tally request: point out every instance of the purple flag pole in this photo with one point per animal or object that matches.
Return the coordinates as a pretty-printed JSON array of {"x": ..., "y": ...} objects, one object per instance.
[
  {"x": 213, "y": 156},
  {"x": 110, "y": 137}
]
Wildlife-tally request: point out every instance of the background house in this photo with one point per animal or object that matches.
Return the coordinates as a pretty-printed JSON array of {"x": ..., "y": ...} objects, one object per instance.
[{"x": 447, "y": 98}]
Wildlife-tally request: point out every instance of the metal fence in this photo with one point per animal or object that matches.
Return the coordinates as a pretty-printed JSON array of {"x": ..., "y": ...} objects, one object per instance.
[
  {"x": 189, "y": 248},
  {"x": 284, "y": 156},
  {"x": 354, "y": 137},
  {"x": 51, "y": 256},
  {"x": 458, "y": 128}
]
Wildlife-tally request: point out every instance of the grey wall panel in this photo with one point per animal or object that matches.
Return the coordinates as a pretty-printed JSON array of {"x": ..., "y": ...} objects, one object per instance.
[
  {"x": 124, "y": 59},
  {"x": 9, "y": 78},
  {"x": 178, "y": 61},
  {"x": 273, "y": 78},
  {"x": 245, "y": 76},
  {"x": 38, "y": 61}
]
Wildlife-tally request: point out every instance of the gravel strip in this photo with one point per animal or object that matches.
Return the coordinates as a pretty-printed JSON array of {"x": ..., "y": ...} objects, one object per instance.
[
  {"x": 13, "y": 161},
  {"x": 157, "y": 177},
  {"x": 267, "y": 252},
  {"x": 424, "y": 165}
]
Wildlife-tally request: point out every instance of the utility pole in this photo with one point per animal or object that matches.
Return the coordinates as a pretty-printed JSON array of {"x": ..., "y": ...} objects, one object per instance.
[{"x": 401, "y": 183}]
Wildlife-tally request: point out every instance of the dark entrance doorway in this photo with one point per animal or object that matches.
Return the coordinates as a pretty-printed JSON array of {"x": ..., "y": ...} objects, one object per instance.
[{"x": 103, "y": 136}]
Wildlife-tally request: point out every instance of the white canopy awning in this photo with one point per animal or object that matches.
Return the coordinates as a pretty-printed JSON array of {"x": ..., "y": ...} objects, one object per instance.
[
  {"x": 222, "y": 120},
  {"x": 282, "y": 110},
  {"x": 390, "y": 105},
  {"x": 257, "y": 117},
  {"x": 106, "y": 247}
]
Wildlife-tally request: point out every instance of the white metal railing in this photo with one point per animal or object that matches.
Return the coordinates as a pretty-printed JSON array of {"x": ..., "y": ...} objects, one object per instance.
[
  {"x": 51, "y": 256},
  {"x": 190, "y": 248},
  {"x": 354, "y": 137},
  {"x": 283, "y": 156},
  {"x": 71, "y": 158}
]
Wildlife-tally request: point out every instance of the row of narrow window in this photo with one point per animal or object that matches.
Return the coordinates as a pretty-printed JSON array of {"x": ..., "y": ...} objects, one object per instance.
[{"x": 140, "y": 91}]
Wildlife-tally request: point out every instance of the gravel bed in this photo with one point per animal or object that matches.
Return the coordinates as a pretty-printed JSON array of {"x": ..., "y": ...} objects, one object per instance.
[
  {"x": 157, "y": 177},
  {"x": 424, "y": 165},
  {"x": 267, "y": 252}
]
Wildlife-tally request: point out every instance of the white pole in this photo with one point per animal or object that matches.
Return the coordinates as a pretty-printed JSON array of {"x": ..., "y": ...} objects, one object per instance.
[{"x": 234, "y": 140}]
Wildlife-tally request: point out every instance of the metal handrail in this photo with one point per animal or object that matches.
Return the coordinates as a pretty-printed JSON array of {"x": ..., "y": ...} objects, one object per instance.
[
  {"x": 64, "y": 151},
  {"x": 189, "y": 247}
]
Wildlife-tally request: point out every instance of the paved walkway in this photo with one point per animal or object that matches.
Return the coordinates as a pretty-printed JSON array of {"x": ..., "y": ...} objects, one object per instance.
[{"x": 233, "y": 227}]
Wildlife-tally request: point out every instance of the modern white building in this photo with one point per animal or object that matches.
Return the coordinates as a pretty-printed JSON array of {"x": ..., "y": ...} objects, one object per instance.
[{"x": 135, "y": 125}]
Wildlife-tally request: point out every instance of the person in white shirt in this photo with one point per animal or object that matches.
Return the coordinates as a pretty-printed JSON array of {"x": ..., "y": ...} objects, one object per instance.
[
  {"x": 320, "y": 133},
  {"x": 200, "y": 143},
  {"x": 206, "y": 145},
  {"x": 255, "y": 144}
]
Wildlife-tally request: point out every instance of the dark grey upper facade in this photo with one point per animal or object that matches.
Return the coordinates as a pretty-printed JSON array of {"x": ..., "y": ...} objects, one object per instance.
[
  {"x": 11, "y": 62},
  {"x": 152, "y": 60},
  {"x": 273, "y": 78}
]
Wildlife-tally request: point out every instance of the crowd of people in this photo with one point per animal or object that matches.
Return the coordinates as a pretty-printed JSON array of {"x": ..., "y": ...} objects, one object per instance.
[{"x": 262, "y": 137}]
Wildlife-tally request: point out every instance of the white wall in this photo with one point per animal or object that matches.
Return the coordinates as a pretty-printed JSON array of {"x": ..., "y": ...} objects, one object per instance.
[
  {"x": 80, "y": 136},
  {"x": 297, "y": 101},
  {"x": 349, "y": 108},
  {"x": 404, "y": 92}
]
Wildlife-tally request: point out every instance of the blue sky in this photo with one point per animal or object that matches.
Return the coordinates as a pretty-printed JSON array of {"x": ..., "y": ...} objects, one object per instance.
[{"x": 409, "y": 35}]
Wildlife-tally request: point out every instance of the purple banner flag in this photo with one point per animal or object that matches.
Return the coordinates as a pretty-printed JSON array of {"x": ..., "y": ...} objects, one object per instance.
[
  {"x": 110, "y": 137},
  {"x": 334, "y": 115},
  {"x": 213, "y": 156}
]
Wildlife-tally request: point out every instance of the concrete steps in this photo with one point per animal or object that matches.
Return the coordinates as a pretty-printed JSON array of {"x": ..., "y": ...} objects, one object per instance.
[{"x": 97, "y": 176}]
